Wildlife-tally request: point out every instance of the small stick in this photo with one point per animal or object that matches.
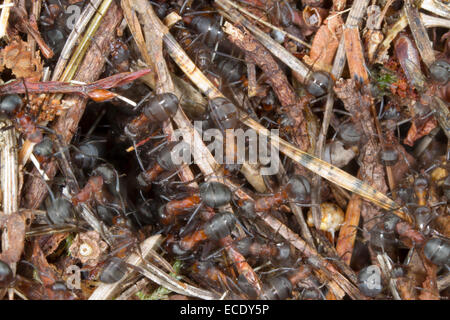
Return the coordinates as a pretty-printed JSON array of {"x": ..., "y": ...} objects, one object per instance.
[
  {"x": 251, "y": 74},
  {"x": 158, "y": 276},
  {"x": 443, "y": 282},
  {"x": 79, "y": 53},
  {"x": 6, "y": 8},
  {"x": 437, "y": 7},
  {"x": 35, "y": 12},
  {"x": 135, "y": 288},
  {"x": 32, "y": 31},
  {"x": 88, "y": 90},
  {"x": 419, "y": 33},
  {"x": 9, "y": 172},
  {"x": 71, "y": 41},
  {"x": 354, "y": 52},
  {"x": 347, "y": 233}
]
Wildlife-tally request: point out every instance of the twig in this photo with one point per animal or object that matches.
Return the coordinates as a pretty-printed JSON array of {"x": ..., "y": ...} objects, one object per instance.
[
  {"x": 87, "y": 90},
  {"x": 158, "y": 276},
  {"x": 11, "y": 239},
  {"x": 35, "y": 12},
  {"x": 5, "y": 16},
  {"x": 419, "y": 33},
  {"x": 347, "y": 233},
  {"x": 437, "y": 7},
  {"x": 71, "y": 41},
  {"x": 79, "y": 53},
  {"x": 21, "y": 14},
  {"x": 135, "y": 288},
  {"x": 443, "y": 282}
]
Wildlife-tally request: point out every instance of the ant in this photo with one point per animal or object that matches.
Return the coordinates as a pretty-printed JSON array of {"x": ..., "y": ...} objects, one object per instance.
[
  {"x": 280, "y": 288},
  {"x": 297, "y": 189},
  {"x": 263, "y": 251},
  {"x": 13, "y": 105},
  {"x": 157, "y": 110},
  {"x": 164, "y": 162},
  {"x": 213, "y": 194},
  {"x": 219, "y": 227}
]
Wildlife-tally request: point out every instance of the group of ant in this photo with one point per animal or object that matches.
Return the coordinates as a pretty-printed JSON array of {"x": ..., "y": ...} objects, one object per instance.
[{"x": 135, "y": 195}]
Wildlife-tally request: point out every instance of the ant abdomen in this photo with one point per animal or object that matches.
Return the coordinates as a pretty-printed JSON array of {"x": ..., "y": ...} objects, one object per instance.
[
  {"x": 106, "y": 214},
  {"x": 250, "y": 247},
  {"x": 161, "y": 107},
  {"x": 318, "y": 83},
  {"x": 6, "y": 275},
  {"x": 349, "y": 134},
  {"x": 299, "y": 189},
  {"x": 231, "y": 70},
  {"x": 114, "y": 270},
  {"x": 11, "y": 103},
  {"x": 220, "y": 226},
  {"x": 437, "y": 250},
  {"x": 89, "y": 153},
  {"x": 44, "y": 148},
  {"x": 279, "y": 288},
  {"x": 209, "y": 28},
  {"x": 60, "y": 211},
  {"x": 224, "y": 114},
  {"x": 389, "y": 156},
  {"x": 215, "y": 194},
  {"x": 440, "y": 70},
  {"x": 370, "y": 281}
]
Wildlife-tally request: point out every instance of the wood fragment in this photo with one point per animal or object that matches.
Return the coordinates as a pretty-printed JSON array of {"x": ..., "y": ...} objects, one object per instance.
[
  {"x": 13, "y": 230},
  {"x": 4, "y": 16},
  {"x": 419, "y": 33}
]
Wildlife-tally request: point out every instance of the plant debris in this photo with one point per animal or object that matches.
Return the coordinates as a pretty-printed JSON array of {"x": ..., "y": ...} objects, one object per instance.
[{"x": 180, "y": 150}]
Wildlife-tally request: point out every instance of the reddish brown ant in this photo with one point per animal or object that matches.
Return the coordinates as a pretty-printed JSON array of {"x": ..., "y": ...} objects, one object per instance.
[
  {"x": 220, "y": 226},
  {"x": 297, "y": 189}
]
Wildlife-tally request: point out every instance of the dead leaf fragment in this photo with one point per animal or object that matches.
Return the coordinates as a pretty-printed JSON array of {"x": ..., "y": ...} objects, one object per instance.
[{"x": 18, "y": 57}]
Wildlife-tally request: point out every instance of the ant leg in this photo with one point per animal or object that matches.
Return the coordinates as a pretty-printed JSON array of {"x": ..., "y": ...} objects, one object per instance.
[{"x": 186, "y": 228}]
